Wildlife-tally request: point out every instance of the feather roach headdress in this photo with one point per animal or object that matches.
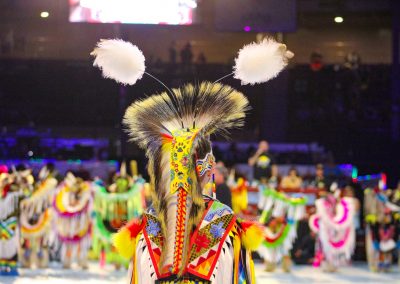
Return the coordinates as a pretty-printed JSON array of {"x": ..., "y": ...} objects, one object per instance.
[
  {"x": 174, "y": 129},
  {"x": 208, "y": 107}
]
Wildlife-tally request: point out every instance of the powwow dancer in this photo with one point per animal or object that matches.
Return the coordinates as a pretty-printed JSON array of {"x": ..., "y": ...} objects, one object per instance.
[
  {"x": 72, "y": 207},
  {"x": 114, "y": 206},
  {"x": 334, "y": 224},
  {"x": 280, "y": 214},
  {"x": 187, "y": 237},
  {"x": 381, "y": 229},
  {"x": 396, "y": 218},
  {"x": 35, "y": 223},
  {"x": 10, "y": 195}
]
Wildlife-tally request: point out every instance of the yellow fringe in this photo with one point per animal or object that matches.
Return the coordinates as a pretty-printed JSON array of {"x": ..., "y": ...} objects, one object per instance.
[
  {"x": 236, "y": 255},
  {"x": 252, "y": 237},
  {"x": 124, "y": 243},
  {"x": 252, "y": 272}
]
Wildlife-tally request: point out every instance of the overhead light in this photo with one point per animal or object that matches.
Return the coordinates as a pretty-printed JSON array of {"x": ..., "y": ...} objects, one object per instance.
[
  {"x": 338, "y": 19},
  {"x": 44, "y": 14}
]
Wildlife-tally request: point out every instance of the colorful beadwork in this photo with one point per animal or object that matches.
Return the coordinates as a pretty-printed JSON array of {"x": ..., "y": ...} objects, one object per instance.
[
  {"x": 153, "y": 228},
  {"x": 205, "y": 165},
  {"x": 217, "y": 230},
  {"x": 181, "y": 150},
  {"x": 7, "y": 228},
  {"x": 180, "y": 230}
]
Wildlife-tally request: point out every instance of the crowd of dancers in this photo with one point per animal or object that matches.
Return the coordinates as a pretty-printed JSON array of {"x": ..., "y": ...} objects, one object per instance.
[
  {"x": 333, "y": 218},
  {"x": 72, "y": 220},
  {"x": 63, "y": 218}
]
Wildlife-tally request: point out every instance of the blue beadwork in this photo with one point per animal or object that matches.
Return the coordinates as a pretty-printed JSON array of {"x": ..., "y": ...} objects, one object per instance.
[
  {"x": 218, "y": 212},
  {"x": 217, "y": 230},
  {"x": 153, "y": 228}
]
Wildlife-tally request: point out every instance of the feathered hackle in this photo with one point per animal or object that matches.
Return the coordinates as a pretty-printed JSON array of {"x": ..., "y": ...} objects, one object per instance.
[{"x": 260, "y": 62}]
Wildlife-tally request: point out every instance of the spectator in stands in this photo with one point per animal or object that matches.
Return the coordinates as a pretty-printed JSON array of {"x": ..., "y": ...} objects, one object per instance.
[
  {"x": 186, "y": 57},
  {"x": 316, "y": 63},
  {"x": 352, "y": 61},
  {"x": 223, "y": 192},
  {"x": 201, "y": 59},
  {"x": 292, "y": 180},
  {"x": 7, "y": 42},
  {"x": 172, "y": 53},
  {"x": 262, "y": 162},
  {"x": 275, "y": 179},
  {"x": 319, "y": 180}
]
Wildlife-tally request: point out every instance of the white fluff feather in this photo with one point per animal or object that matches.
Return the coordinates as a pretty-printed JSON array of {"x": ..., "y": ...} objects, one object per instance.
[
  {"x": 119, "y": 60},
  {"x": 260, "y": 62}
]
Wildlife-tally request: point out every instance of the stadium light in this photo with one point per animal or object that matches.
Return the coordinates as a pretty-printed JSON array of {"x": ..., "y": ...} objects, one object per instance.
[
  {"x": 44, "y": 14},
  {"x": 338, "y": 20}
]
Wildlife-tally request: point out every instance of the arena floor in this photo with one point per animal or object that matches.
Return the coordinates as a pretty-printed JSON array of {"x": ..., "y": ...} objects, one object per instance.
[{"x": 300, "y": 274}]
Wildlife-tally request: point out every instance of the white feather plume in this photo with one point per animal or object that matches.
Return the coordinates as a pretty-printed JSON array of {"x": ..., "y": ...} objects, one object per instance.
[
  {"x": 119, "y": 60},
  {"x": 260, "y": 62}
]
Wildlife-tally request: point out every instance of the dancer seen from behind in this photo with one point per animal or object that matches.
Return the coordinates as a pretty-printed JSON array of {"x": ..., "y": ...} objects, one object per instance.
[
  {"x": 334, "y": 225},
  {"x": 280, "y": 215},
  {"x": 35, "y": 222},
  {"x": 10, "y": 195},
  {"x": 380, "y": 216},
  {"x": 72, "y": 206},
  {"x": 114, "y": 206},
  {"x": 187, "y": 237}
]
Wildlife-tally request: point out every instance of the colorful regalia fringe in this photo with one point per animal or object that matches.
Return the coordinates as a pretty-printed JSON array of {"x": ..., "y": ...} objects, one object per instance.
[
  {"x": 73, "y": 221},
  {"x": 239, "y": 196},
  {"x": 41, "y": 198},
  {"x": 39, "y": 232},
  {"x": 9, "y": 202},
  {"x": 382, "y": 230},
  {"x": 334, "y": 223},
  {"x": 35, "y": 223},
  {"x": 215, "y": 247},
  {"x": 281, "y": 214},
  {"x": 112, "y": 210}
]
